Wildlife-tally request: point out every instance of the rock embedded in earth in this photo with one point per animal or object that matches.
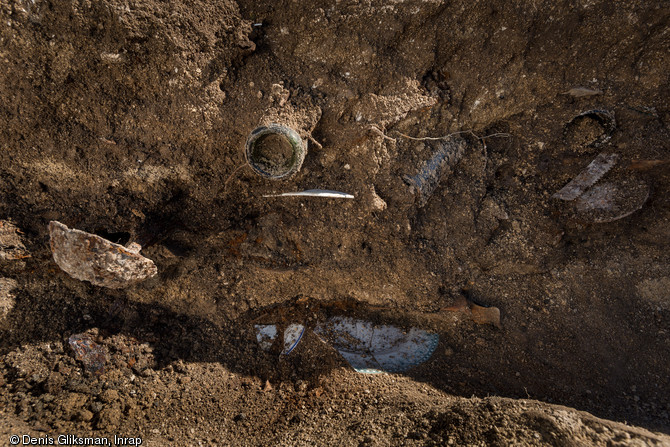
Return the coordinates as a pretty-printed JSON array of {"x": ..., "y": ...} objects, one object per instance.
[
  {"x": 88, "y": 257},
  {"x": 11, "y": 246},
  {"x": 580, "y": 92},
  {"x": 91, "y": 354},
  {"x": 376, "y": 202},
  {"x": 6, "y": 296},
  {"x": 479, "y": 314}
]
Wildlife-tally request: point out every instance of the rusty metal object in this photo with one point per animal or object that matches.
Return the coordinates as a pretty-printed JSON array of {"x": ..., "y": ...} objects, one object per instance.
[{"x": 88, "y": 257}]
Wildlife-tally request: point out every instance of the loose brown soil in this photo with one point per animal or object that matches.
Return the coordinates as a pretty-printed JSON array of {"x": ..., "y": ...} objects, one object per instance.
[
  {"x": 273, "y": 154},
  {"x": 127, "y": 118}
]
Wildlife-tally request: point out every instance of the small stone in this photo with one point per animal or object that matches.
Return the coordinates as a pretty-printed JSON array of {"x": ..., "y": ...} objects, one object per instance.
[
  {"x": 148, "y": 372},
  {"x": 240, "y": 417},
  {"x": 376, "y": 202},
  {"x": 92, "y": 355},
  {"x": 88, "y": 257}
]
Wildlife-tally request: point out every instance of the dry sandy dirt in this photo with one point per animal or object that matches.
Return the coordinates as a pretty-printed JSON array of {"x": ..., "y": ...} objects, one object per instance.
[{"x": 128, "y": 119}]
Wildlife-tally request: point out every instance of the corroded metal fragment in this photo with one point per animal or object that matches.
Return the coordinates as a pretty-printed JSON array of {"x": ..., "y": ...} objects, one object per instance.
[{"x": 88, "y": 257}]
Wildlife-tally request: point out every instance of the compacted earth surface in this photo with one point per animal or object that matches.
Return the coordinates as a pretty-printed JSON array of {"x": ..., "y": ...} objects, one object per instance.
[{"x": 128, "y": 119}]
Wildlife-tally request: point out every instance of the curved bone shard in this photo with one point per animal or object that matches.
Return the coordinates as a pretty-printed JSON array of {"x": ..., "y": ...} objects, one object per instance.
[
  {"x": 588, "y": 177},
  {"x": 612, "y": 201},
  {"x": 433, "y": 171},
  {"x": 88, "y": 257},
  {"x": 314, "y": 193}
]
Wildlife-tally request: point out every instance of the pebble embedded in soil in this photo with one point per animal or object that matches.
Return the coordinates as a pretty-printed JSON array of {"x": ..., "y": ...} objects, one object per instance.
[{"x": 89, "y": 257}]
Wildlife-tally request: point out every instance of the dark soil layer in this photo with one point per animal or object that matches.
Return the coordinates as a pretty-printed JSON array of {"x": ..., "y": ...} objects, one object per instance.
[{"x": 129, "y": 118}]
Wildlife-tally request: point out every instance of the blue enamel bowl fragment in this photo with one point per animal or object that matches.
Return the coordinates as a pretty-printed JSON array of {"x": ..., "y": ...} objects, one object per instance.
[{"x": 376, "y": 349}]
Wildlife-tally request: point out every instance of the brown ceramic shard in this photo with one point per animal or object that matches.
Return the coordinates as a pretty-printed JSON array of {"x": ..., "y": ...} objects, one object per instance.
[
  {"x": 485, "y": 315},
  {"x": 88, "y": 257},
  {"x": 479, "y": 314}
]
